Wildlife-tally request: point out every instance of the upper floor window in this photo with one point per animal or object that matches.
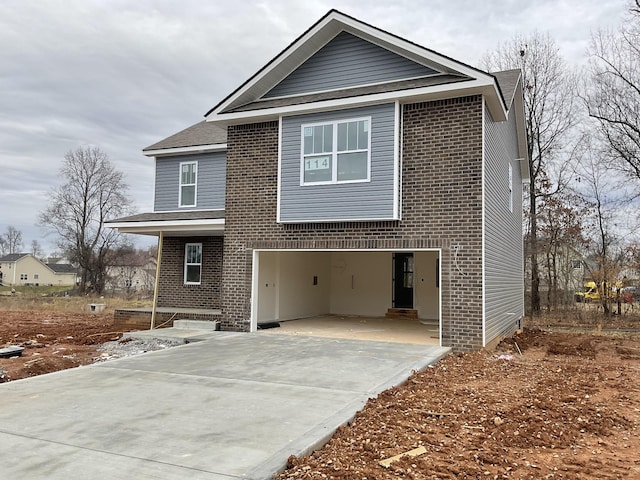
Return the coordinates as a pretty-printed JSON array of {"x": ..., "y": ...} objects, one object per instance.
[
  {"x": 188, "y": 177},
  {"x": 192, "y": 263},
  {"x": 24, "y": 276},
  {"x": 336, "y": 152}
]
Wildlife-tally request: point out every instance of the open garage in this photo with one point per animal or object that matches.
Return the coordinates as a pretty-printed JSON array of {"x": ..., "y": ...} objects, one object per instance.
[{"x": 401, "y": 287}]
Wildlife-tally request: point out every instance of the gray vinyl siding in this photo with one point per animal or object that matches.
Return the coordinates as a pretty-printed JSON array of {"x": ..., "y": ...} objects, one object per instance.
[
  {"x": 348, "y": 61},
  {"x": 373, "y": 200},
  {"x": 210, "y": 181},
  {"x": 503, "y": 243}
]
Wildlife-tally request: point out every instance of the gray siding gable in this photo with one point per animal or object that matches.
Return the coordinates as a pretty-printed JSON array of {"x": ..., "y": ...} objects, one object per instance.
[
  {"x": 211, "y": 180},
  {"x": 348, "y": 61},
  {"x": 373, "y": 200}
]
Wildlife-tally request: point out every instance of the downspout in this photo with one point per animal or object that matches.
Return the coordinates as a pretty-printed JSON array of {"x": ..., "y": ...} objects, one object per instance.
[{"x": 157, "y": 283}]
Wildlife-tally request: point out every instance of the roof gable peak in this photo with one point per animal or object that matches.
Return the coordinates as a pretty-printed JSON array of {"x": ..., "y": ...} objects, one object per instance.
[{"x": 317, "y": 37}]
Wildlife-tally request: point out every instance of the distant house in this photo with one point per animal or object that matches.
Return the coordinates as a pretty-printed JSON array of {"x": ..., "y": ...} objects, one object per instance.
[
  {"x": 357, "y": 173},
  {"x": 132, "y": 274},
  {"x": 25, "y": 269}
]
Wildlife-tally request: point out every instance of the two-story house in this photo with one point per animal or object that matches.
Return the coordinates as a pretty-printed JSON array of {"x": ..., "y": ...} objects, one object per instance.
[
  {"x": 26, "y": 269},
  {"x": 356, "y": 172}
]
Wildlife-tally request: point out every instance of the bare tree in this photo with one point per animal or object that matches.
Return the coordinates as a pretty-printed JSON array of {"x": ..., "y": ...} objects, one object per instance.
[
  {"x": 36, "y": 249},
  {"x": 550, "y": 115},
  {"x": 604, "y": 198},
  {"x": 561, "y": 238},
  {"x": 613, "y": 98},
  {"x": 3, "y": 246},
  {"x": 94, "y": 192},
  {"x": 13, "y": 240}
]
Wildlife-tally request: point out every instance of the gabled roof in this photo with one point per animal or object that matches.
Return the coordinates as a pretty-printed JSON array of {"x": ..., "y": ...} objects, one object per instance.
[
  {"x": 508, "y": 81},
  {"x": 61, "y": 267},
  {"x": 13, "y": 257},
  {"x": 247, "y": 101},
  {"x": 198, "y": 138}
]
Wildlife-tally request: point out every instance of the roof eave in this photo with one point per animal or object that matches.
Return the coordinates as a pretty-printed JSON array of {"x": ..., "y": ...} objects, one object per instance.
[
  {"x": 208, "y": 227},
  {"x": 191, "y": 150},
  {"x": 486, "y": 87},
  {"x": 318, "y": 36}
]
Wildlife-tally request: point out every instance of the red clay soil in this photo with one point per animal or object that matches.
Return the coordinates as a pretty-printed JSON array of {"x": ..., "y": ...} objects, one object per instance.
[
  {"x": 567, "y": 408},
  {"x": 53, "y": 341}
]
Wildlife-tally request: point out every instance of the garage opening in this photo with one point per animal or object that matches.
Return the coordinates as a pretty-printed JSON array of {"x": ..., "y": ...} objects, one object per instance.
[{"x": 354, "y": 291}]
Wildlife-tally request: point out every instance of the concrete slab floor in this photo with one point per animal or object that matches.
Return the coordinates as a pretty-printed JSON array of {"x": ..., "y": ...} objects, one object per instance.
[
  {"x": 233, "y": 406},
  {"x": 379, "y": 329}
]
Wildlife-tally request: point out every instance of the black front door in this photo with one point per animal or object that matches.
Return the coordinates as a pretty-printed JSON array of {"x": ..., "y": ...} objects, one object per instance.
[{"x": 403, "y": 280}]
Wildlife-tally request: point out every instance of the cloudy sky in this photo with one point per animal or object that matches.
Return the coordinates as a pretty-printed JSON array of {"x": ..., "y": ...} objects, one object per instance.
[{"x": 124, "y": 74}]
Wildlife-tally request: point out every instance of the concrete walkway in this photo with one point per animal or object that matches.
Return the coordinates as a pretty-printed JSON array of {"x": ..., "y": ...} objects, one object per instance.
[{"x": 233, "y": 406}]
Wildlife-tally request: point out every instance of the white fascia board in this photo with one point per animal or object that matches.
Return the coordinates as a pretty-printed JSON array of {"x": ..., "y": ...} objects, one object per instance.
[
  {"x": 307, "y": 39},
  {"x": 279, "y": 177},
  {"x": 521, "y": 127},
  {"x": 167, "y": 226},
  {"x": 318, "y": 36},
  {"x": 397, "y": 129},
  {"x": 161, "y": 152},
  {"x": 410, "y": 50},
  {"x": 436, "y": 92}
]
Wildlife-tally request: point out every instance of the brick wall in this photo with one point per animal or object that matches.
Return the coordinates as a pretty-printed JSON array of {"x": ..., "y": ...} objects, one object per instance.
[
  {"x": 172, "y": 292},
  {"x": 441, "y": 207}
]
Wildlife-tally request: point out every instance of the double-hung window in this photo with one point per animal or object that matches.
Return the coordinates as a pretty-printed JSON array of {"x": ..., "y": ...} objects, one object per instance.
[
  {"x": 336, "y": 152},
  {"x": 192, "y": 263},
  {"x": 188, "y": 177}
]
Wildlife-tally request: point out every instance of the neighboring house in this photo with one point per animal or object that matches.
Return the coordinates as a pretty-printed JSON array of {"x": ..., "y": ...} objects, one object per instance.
[
  {"x": 25, "y": 269},
  {"x": 562, "y": 274},
  {"x": 355, "y": 173},
  {"x": 133, "y": 274}
]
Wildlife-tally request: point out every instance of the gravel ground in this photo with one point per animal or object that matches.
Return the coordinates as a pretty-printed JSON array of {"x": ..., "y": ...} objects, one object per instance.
[{"x": 127, "y": 347}]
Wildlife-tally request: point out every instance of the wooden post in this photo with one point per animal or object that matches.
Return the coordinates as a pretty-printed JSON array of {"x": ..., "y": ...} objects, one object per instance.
[{"x": 155, "y": 288}]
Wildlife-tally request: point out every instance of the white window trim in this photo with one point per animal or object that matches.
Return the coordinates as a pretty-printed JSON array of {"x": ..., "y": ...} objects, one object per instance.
[
  {"x": 334, "y": 153},
  {"x": 195, "y": 185},
  {"x": 186, "y": 248}
]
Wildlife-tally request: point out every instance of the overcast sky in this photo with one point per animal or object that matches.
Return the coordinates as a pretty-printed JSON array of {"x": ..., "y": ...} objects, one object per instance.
[{"x": 124, "y": 74}]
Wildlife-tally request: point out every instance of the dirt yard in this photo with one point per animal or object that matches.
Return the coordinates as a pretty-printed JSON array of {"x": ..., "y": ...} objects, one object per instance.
[
  {"x": 541, "y": 406},
  {"x": 568, "y": 407},
  {"x": 52, "y": 340}
]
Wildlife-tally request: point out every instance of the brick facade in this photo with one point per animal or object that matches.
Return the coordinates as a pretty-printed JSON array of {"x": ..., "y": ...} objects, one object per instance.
[
  {"x": 441, "y": 207},
  {"x": 172, "y": 292}
]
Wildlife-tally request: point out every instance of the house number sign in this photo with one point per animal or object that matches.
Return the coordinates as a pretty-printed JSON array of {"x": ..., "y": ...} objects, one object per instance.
[{"x": 317, "y": 163}]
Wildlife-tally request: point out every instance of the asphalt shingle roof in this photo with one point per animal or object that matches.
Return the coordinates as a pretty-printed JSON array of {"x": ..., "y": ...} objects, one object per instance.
[
  {"x": 13, "y": 257},
  {"x": 201, "y": 133},
  {"x": 507, "y": 80}
]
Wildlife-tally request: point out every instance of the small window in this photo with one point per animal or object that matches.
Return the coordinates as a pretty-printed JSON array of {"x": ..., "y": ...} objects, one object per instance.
[
  {"x": 36, "y": 276},
  {"x": 24, "y": 276},
  {"x": 192, "y": 263},
  {"x": 188, "y": 176},
  {"x": 576, "y": 264},
  {"x": 336, "y": 152},
  {"x": 510, "y": 188}
]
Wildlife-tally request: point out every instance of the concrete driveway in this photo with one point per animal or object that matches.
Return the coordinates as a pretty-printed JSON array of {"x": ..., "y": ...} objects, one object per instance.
[{"x": 233, "y": 406}]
